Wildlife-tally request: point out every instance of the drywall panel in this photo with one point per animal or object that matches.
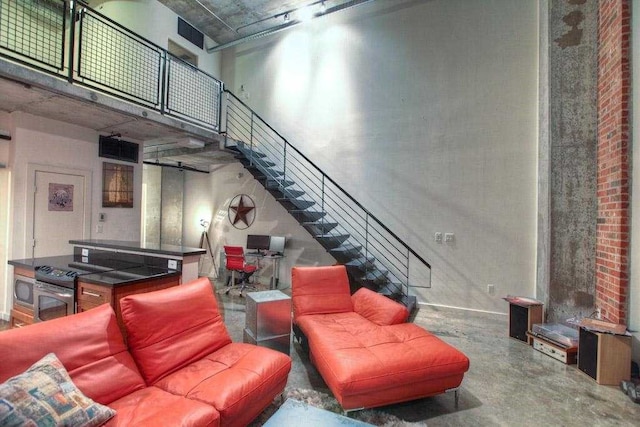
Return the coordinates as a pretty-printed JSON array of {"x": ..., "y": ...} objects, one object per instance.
[
  {"x": 159, "y": 25},
  {"x": 38, "y": 140},
  {"x": 5, "y": 277},
  {"x": 208, "y": 197},
  {"x": 426, "y": 112}
]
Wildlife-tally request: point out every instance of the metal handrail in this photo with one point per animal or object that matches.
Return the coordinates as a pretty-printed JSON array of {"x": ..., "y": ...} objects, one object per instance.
[
  {"x": 61, "y": 54},
  {"x": 247, "y": 127}
]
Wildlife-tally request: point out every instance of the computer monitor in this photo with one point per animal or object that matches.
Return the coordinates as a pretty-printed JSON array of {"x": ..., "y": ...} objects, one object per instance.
[
  {"x": 276, "y": 244},
  {"x": 258, "y": 242}
]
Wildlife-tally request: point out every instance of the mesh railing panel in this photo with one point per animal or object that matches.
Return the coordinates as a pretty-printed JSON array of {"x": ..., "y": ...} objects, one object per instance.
[
  {"x": 118, "y": 60},
  {"x": 107, "y": 57},
  {"x": 192, "y": 93},
  {"x": 34, "y": 30}
]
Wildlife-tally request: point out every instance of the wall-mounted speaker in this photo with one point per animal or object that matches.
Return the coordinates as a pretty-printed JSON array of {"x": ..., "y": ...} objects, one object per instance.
[{"x": 117, "y": 149}]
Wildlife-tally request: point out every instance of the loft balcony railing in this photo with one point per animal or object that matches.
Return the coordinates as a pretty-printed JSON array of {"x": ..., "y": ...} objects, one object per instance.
[
  {"x": 70, "y": 40},
  {"x": 342, "y": 218}
]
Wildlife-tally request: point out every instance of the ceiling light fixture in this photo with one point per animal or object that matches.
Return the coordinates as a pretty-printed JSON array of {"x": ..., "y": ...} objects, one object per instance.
[
  {"x": 323, "y": 7},
  {"x": 288, "y": 24},
  {"x": 287, "y": 18}
]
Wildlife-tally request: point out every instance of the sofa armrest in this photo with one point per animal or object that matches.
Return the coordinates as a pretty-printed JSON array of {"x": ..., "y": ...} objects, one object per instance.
[{"x": 378, "y": 308}]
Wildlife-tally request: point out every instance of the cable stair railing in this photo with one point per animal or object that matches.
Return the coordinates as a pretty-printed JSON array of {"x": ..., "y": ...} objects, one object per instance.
[{"x": 374, "y": 256}]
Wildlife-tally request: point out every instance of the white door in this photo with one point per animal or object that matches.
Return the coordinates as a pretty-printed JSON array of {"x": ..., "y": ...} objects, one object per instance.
[{"x": 59, "y": 211}]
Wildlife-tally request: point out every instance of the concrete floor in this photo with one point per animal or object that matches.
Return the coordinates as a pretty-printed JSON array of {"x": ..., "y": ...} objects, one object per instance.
[{"x": 508, "y": 383}]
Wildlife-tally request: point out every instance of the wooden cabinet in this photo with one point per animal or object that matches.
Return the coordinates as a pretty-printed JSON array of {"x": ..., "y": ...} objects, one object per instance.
[
  {"x": 21, "y": 316},
  {"x": 605, "y": 357},
  {"x": 90, "y": 295}
]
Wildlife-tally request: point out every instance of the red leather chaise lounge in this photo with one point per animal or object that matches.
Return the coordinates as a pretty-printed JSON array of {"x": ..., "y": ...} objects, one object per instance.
[
  {"x": 362, "y": 347},
  {"x": 181, "y": 368}
]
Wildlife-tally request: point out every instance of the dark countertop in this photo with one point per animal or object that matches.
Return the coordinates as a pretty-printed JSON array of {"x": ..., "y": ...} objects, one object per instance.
[
  {"x": 128, "y": 276},
  {"x": 121, "y": 274},
  {"x": 67, "y": 262},
  {"x": 162, "y": 249}
]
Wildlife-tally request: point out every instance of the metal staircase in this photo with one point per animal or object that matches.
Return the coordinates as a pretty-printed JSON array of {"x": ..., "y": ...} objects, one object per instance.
[
  {"x": 374, "y": 256},
  {"x": 85, "y": 48}
]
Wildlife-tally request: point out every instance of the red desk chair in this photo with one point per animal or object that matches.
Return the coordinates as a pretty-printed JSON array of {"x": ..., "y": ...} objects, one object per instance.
[{"x": 235, "y": 262}]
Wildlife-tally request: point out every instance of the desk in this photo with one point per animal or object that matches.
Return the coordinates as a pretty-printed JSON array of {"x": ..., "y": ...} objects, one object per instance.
[{"x": 275, "y": 265}]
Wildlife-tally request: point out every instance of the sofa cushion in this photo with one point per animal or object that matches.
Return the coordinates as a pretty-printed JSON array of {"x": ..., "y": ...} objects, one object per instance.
[
  {"x": 154, "y": 407},
  {"x": 89, "y": 345},
  {"x": 239, "y": 380},
  {"x": 377, "y": 308},
  {"x": 172, "y": 328},
  {"x": 318, "y": 290},
  {"x": 356, "y": 356},
  {"x": 45, "y": 395}
]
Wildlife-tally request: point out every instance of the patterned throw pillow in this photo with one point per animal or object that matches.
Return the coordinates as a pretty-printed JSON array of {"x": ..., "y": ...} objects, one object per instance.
[{"x": 45, "y": 396}]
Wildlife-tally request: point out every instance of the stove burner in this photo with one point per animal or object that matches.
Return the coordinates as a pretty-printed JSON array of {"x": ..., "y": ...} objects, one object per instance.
[{"x": 57, "y": 276}]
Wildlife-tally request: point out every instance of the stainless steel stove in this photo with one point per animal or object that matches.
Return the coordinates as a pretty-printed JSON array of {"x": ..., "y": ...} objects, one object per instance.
[{"x": 54, "y": 293}]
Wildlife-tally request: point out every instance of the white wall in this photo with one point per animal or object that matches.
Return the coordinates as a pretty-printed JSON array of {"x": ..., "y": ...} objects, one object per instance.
[
  {"x": 208, "y": 197},
  {"x": 38, "y": 140},
  {"x": 5, "y": 206},
  {"x": 48, "y": 142},
  {"x": 427, "y": 113},
  {"x": 158, "y": 26}
]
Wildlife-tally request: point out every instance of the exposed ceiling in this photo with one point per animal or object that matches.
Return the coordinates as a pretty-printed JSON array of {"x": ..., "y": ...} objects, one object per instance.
[
  {"x": 227, "y": 20},
  {"x": 162, "y": 143}
]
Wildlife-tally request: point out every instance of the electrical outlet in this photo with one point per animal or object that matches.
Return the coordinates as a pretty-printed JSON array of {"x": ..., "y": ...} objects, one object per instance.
[
  {"x": 448, "y": 237},
  {"x": 437, "y": 237},
  {"x": 173, "y": 264},
  {"x": 598, "y": 313},
  {"x": 491, "y": 289},
  {"x": 99, "y": 228}
]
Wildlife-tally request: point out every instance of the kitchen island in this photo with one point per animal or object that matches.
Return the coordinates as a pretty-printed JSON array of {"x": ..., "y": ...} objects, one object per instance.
[
  {"x": 98, "y": 278},
  {"x": 181, "y": 258}
]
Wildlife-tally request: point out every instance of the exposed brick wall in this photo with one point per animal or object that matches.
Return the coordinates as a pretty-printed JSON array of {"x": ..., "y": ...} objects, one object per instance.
[{"x": 614, "y": 90}]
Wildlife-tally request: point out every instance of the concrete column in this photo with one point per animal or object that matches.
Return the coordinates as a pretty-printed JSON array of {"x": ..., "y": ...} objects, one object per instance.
[
  {"x": 567, "y": 204},
  {"x": 172, "y": 204}
]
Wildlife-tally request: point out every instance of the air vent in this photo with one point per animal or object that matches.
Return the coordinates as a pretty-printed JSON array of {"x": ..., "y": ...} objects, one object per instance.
[
  {"x": 114, "y": 148},
  {"x": 190, "y": 33}
]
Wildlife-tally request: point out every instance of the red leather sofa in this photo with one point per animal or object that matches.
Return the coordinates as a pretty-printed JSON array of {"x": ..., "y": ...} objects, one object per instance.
[
  {"x": 179, "y": 367},
  {"x": 362, "y": 346}
]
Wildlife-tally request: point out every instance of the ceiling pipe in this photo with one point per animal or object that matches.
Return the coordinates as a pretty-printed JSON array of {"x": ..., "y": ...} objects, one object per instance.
[
  {"x": 286, "y": 26},
  {"x": 179, "y": 166}
]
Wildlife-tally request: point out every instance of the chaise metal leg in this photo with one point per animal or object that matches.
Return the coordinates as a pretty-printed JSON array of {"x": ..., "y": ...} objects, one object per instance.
[{"x": 456, "y": 395}]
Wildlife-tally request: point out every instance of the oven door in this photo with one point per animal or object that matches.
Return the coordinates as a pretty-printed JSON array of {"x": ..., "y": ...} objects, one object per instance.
[
  {"x": 23, "y": 291},
  {"x": 51, "y": 301}
]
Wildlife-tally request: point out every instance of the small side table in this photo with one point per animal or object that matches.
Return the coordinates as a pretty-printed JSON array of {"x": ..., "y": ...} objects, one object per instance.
[{"x": 268, "y": 320}]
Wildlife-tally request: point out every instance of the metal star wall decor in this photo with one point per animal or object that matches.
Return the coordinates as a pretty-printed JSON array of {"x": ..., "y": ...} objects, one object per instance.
[{"x": 242, "y": 211}]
